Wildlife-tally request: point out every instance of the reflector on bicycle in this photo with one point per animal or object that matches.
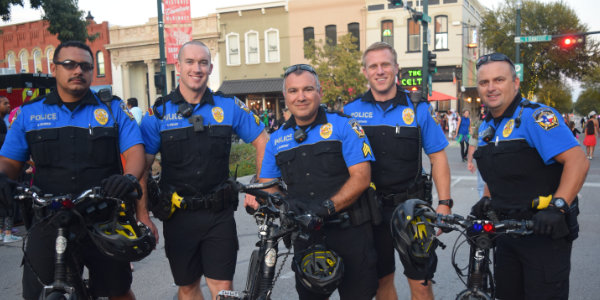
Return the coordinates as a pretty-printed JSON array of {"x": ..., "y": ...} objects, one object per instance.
[{"x": 488, "y": 227}]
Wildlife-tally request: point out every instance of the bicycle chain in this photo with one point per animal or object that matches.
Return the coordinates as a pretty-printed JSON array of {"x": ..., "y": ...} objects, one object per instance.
[{"x": 285, "y": 256}]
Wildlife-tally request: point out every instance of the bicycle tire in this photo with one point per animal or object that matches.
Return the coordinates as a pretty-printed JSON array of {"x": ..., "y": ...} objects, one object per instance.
[
  {"x": 56, "y": 296},
  {"x": 473, "y": 295},
  {"x": 252, "y": 284}
]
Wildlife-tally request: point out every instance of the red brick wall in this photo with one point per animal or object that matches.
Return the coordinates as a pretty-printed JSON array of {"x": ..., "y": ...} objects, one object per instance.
[{"x": 33, "y": 35}]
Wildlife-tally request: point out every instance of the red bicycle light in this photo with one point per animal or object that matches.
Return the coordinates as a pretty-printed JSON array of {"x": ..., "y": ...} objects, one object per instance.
[
  {"x": 488, "y": 227},
  {"x": 67, "y": 203}
]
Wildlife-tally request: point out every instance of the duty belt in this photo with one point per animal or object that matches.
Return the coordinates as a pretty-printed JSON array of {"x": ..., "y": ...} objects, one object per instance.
[
  {"x": 216, "y": 201},
  {"x": 398, "y": 198}
]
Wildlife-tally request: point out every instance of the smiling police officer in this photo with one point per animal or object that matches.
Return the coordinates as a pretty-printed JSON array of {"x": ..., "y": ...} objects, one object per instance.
[
  {"x": 527, "y": 152},
  {"x": 192, "y": 128},
  {"x": 73, "y": 137},
  {"x": 397, "y": 134},
  {"x": 324, "y": 159}
]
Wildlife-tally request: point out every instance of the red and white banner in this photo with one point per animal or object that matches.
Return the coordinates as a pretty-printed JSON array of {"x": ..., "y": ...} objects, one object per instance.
[
  {"x": 177, "y": 11},
  {"x": 175, "y": 37}
]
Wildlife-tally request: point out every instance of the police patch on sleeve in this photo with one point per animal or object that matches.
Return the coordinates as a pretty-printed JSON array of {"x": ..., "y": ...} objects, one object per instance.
[
  {"x": 150, "y": 111},
  {"x": 14, "y": 117},
  {"x": 357, "y": 128},
  {"x": 126, "y": 110},
  {"x": 242, "y": 105},
  {"x": 256, "y": 119},
  {"x": 546, "y": 118}
]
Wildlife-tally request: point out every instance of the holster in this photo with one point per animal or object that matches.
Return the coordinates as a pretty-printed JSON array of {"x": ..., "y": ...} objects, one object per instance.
[
  {"x": 221, "y": 197},
  {"x": 421, "y": 189},
  {"x": 366, "y": 208}
]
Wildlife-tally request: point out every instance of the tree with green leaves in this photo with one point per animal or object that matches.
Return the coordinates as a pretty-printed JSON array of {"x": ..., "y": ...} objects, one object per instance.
[
  {"x": 555, "y": 94},
  {"x": 542, "y": 61},
  {"x": 589, "y": 99},
  {"x": 338, "y": 67},
  {"x": 64, "y": 17}
]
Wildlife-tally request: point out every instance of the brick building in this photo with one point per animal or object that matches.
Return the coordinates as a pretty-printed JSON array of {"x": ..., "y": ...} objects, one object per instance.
[{"x": 29, "y": 47}]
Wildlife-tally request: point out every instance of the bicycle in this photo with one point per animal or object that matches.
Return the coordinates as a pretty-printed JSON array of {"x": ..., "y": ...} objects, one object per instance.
[
  {"x": 480, "y": 234},
  {"x": 65, "y": 211},
  {"x": 263, "y": 261}
]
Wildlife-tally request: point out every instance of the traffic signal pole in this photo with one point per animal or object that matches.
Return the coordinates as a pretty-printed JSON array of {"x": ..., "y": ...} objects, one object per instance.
[
  {"x": 161, "y": 45},
  {"x": 426, "y": 82}
]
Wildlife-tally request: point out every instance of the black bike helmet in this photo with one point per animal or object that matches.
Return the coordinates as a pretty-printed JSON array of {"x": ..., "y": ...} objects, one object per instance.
[
  {"x": 320, "y": 270},
  {"x": 414, "y": 236},
  {"x": 123, "y": 239}
]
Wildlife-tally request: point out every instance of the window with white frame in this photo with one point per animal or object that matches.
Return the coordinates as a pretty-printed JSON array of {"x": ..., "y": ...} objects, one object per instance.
[
  {"x": 252, "y": 48},
  {"x": 37, "y": 61},
  {"x": 24, "y": 59},
  {"x": 414, "y": 36},
  {"x": 272, "y": 45},
  {"x": 11, "y": 61},
  {"x": 441, "y": 32},
  {"x": 49, "y": 55},
  {"x": 100, "y": 64},
  {"x": 232, "y": 43}
]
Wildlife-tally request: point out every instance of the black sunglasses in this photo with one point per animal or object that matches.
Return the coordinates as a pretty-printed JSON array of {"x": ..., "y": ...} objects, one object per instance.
[
  {"x": 72, "y": 65},
  {"x": 493, "y": 57},
  {"x": 297, "y": 67}
]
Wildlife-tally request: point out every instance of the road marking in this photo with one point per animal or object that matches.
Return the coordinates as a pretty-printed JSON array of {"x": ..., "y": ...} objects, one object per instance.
[{"x": 591, "y": 184}]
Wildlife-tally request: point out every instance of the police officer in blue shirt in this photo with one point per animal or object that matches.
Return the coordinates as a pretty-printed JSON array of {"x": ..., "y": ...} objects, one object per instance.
[
  {"x": 324, "y": 159},
  {"x": 71, "y": 136},
  {"x": 389, "y": 119},
  {"x": 192, "y": 128},
  {"x": 527, "y": 152}
]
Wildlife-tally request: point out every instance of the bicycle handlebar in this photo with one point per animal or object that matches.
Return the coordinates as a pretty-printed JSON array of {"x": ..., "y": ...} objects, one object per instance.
[{"x": 523, "y": 227}]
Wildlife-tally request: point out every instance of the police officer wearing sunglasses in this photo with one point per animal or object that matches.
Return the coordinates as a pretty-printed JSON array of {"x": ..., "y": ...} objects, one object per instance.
[
  {"x": 526, "y": 152},
  {"x": 192, "y": 128},
  {"x": 324, "y": 159},
  {"x": 74, "y": 139}
]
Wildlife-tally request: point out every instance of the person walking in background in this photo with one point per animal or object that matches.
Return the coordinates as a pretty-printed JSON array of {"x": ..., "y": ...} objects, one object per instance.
[
  {"x": 574, "y": 129},
  {"x": 132, "y": 105},
  {"x": 591, "y": 130},
  {"x": 451, "y": 123},
  {"x": 464, "y": 125},
  {"x": 6, "y": 222}
]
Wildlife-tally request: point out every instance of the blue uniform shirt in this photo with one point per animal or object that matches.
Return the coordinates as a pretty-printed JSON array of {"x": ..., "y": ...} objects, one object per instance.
[
  {"x": 215, "y": 109},
  {"x": 541, "y": 127},
  {"x": 49, "y": 113},
  {"x": 400, "y": 113},
  {"x": 329, "y": 126}
]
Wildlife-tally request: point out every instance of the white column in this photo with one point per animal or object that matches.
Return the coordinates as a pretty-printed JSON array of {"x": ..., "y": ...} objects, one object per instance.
[{"x": 126, "y": 90}]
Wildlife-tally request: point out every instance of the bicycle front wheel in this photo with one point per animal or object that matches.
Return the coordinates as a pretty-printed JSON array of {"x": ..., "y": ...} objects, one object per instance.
[
  {"x": 56, "y": 296},
  {"x": 252, "y": 284},
  {"x": 473, "y": 295}
]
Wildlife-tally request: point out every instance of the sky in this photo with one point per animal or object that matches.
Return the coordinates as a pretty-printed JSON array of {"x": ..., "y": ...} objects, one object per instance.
[{"x": 135, "y": 12}]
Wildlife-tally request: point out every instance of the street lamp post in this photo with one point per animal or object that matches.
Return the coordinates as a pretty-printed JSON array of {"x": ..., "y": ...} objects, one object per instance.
[
  {"x": 518, "y": 32},
  {"x": 161, "y": 45}
]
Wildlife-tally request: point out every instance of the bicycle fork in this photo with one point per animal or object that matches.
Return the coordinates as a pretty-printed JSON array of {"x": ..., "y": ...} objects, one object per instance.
[
  {"x": 60, "y": 266},
  {"x": 477, "y": 269}
]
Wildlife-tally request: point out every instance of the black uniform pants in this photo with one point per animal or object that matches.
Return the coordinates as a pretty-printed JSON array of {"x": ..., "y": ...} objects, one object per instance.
[
  {"x": 355, "y": 246},
  {"x": 532, "y": 267}
]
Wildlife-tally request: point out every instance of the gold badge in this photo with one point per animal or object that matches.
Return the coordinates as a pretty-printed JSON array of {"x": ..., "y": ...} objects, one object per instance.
[
  {"x": 357, "y": 128},
  {"x": 408, "y": 115},
  {"x": 101, "y": 116},
  {"x": 366, "y": 149},
  {"x": 217, "y": 113},
  {"x": 508, "y": 128},
  {"x": 326, "y": 130}
]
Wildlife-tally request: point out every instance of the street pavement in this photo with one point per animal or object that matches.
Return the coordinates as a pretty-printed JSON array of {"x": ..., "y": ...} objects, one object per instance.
[{"x": 152, "y": 278}]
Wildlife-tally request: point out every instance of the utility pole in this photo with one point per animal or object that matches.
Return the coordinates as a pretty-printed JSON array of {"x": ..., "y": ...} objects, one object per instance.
[
  {"x": 161, "y": 45},
  {"x": 427, "y": 81},
  {"x": 518, "y": 33}
]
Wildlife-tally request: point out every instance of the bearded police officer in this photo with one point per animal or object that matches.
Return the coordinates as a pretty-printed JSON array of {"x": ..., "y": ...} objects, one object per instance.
[
  {"x": 397, "y": 130},
  {"x": 74, "y": 138},
  {"x": 192, "y": 129},
  {"x": 526, "y": 152},
  {"x": 324, "y": 159}
]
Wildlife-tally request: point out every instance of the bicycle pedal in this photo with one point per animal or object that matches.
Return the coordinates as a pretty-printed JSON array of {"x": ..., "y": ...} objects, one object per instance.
[{"x": 230, "y": 295}]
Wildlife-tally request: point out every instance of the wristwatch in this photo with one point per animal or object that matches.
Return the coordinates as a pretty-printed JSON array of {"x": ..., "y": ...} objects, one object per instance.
[
  {"x": 448, "y": 202},
  {"x": 560, "y": 203}
]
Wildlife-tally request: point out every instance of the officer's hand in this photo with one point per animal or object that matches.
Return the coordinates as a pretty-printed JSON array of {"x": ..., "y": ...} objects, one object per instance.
[
  {"x": 481, "y": 207},
  {"x": 550, "y": 221},
  {"x": 296, "y": 206},
  {"x": 118, "y": 186},
  {"x": 322, "y": 209},
  {"x": 250, "y": 201},
  {"x": 6, "y": 197},
  {"x": 444, "y": 210}
]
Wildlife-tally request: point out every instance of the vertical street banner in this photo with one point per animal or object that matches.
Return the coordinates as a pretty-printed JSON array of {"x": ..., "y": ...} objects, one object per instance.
[
  {"x": 177, "y": 11},
  {"x": 175, "y": 37}
]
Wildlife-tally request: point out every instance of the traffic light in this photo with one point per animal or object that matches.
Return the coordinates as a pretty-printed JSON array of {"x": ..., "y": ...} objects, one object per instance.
[
  {"x": 396, "y": 3},
  {"x": 570, "y": 42},
  {"x": 431, "y": 62}
]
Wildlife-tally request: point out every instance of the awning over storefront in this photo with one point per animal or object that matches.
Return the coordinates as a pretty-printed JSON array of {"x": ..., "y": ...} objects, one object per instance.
[
  {"x": 437, "y": 96},
  {"x": 252, "y": 86}
]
